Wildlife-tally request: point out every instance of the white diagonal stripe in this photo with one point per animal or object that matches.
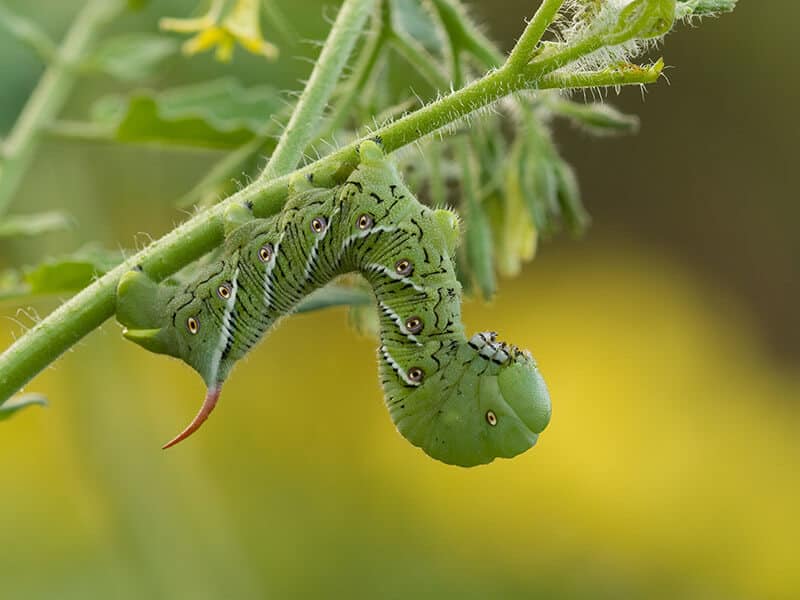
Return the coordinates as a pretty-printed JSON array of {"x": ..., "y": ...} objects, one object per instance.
[
  {"x": 225, "y": 332},
  {"x": 399, "y": 322},
  {"x": 396, "y": 366},
  {"x": 392, "y": 275}
]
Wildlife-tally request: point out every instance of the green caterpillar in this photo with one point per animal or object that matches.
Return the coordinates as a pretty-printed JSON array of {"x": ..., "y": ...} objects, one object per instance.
[{"x": 464, "y": 401}]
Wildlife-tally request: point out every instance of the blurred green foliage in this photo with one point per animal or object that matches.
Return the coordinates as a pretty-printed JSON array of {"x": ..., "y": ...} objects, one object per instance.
[{"x": 217, "y": 113}]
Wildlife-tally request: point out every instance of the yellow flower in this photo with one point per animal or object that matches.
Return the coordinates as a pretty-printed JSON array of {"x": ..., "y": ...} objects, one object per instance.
[{"x": 223, "y": 29}]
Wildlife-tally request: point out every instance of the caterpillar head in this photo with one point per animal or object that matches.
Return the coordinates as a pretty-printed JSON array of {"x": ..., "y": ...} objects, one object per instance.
[
  {"x": 487, "y": 400},
  {"x": 184, "y": 322}
]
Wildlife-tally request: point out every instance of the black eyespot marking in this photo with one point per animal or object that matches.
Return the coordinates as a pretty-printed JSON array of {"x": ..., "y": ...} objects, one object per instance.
[
  {"x": 318, "y": 224},
  {"x": 404, "y": 267},
  {"x": 415, "y": 374},
  {"x": 193, "y": 325},
  {"x": 265, "y": 253},
  {"x": 491, "y": 418},
  {"x": 414, "y": 325},
  {"x": 224, "y": 291},
  {"x": 364, "y": 222}
]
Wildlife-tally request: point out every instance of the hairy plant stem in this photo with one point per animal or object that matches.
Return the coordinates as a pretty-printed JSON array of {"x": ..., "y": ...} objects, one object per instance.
[
  {"x": 304, "y": 121},
  {"x": 523, "y": 50},
  {"x": 92, "y": 306},
  {"x": 362, "y": 71},
  {"x": 611, "y": 77},
  {"x": 50, "y": 94}
]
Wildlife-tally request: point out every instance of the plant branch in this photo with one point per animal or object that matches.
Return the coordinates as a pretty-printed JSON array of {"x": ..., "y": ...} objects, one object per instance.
[
  {"x": 523, "y": 51},
  {"x": 362, "y": 71},
  {"x": 623, "y": 75},
  {"x": 50, "y": 94},
  {"x": 197, "y": 236},
  {"x": 314, "y": 99}
]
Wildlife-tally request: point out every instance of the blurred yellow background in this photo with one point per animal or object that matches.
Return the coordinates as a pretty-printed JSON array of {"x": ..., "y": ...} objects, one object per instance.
[{"x": 669, "y": 469}]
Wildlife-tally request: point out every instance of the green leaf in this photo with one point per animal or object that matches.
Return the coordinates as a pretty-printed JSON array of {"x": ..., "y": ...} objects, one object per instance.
[
  {"x": 513, "y": 228},
  {"x": 214, "y": 114},
  {"x": 34, "y": 224},
  {"x": 643, "y": 19},
  {"x": 478, "y": 252},
  {"x": 491, "y": 148},
  {"x": 569, "y": 197},
  {"x": 61, "y": 275},
  {"x": 540, "y": 191},
  {"x": 597, "y": 118},
  {"x": 132, "y": 56},
  {"x": 548, "y": 184},
  {"x": 12, "y": 406},
  {"x": 72, "y": 272},
  {"x": 28, "y": 32},
  {"x": 334, "y": 295}
]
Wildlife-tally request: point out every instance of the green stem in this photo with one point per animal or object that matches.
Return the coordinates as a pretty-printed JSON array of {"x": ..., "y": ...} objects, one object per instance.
[
  {"x": 50, "y": 94},
  {"x": 363, "y": 70},
  {"x": 523, "y": 51},
  {"x": 310, "y": 107},
  {"x": 628, "y": 75}
]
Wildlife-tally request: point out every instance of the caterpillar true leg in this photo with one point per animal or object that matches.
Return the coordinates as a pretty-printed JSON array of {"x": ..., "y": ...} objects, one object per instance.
[{"x": 463, "y": 401}]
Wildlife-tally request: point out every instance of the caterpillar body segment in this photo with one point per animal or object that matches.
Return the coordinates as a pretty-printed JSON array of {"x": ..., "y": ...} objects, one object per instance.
[{"x": 463, "y": 400}]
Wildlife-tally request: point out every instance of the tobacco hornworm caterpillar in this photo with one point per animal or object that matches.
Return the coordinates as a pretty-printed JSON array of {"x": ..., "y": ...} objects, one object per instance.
[{"x": 464, "y": 401}]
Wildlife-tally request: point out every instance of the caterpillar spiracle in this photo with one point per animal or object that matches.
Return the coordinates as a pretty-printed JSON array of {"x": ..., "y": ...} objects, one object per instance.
[{"x": 463, "y": 400}]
